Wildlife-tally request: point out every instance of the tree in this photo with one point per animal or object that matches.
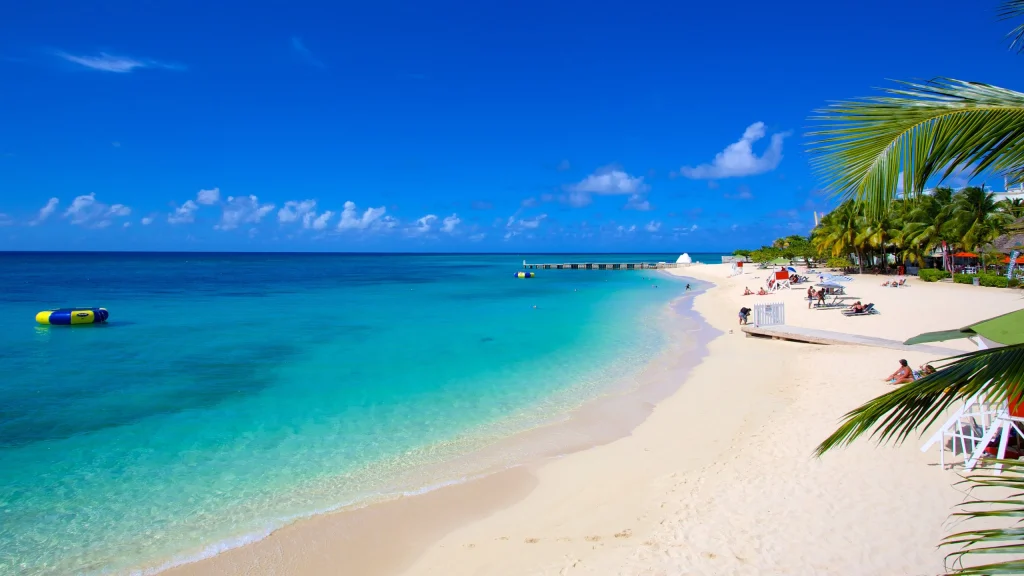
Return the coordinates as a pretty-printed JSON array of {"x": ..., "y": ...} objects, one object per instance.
[
  {"x": 977, "y": 217},
  {"x": 917, "y": 131},
  {"x": 837, "y": 233}
]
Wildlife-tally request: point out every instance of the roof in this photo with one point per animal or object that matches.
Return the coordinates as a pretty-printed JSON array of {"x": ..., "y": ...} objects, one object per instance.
[
  {"x": 1007, "y": 329},
  {"x": 1012, "y": 240}
]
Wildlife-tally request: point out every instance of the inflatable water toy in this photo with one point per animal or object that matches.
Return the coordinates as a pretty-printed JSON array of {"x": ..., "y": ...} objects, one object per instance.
[
  {"x": 66, "y": 316},
  {"x": 525, "y": 274}
]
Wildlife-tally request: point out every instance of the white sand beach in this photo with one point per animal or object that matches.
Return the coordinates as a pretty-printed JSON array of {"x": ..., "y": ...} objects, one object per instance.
[{"x": 719, "y": 479}]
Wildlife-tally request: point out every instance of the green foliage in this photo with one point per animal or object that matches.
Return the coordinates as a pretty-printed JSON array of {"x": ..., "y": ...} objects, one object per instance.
[
  {"x": 982, "y": 544},
  {"x": 765, "y": 254},
  {"x": 932, "y": 274},
  {"x": 742, "y": 253},
  {"x": 834, "y": 262},
  {"x": 1013, "y": 282},
  {"x": 964, "y": 278},
  {"x": 994, "y": 280}
]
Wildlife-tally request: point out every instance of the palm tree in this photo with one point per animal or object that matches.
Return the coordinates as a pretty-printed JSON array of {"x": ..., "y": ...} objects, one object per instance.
[
  {"x": 838, "y": 232},
  {"x": 977, "y": 217},
  {"x": 919, "y": 131},
  {"x": 925, "y": 224}
]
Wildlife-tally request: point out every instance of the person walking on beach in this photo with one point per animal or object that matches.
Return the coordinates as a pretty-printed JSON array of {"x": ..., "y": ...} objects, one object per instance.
[
  {"x": 810, "y": 296},
  {"x": 744, "y": 314}
]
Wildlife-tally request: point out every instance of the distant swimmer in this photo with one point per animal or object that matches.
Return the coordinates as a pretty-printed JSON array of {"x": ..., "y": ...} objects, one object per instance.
[
  {"x": 535, "y": 306},
  {"x": 687, "y": 286}
]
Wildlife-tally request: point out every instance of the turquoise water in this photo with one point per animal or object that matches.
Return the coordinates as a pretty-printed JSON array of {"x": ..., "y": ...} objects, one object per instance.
[{"x": 230, "y": 393}]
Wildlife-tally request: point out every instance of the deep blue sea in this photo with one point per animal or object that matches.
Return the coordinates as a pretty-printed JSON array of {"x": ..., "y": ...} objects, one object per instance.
[{"x": 230, "y": 393}]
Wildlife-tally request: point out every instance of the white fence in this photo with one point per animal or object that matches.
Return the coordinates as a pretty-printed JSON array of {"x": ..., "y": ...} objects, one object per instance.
[{"x": 769, "y": 314}]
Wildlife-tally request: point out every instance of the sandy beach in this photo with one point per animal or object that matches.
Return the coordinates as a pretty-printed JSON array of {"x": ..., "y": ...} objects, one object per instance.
[{"x": 718, "y": 479}]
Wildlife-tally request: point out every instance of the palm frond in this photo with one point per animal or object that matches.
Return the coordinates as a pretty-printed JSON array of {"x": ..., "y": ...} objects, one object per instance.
[
  {"x": 985, "y": 542},
  {"x": 1014, "y": 9},
  {"x": 998, "y": 372},
  {"x": 861, "y": 148}
]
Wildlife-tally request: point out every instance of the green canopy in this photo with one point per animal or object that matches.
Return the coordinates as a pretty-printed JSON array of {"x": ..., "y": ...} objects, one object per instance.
[
  {"x": 781, "y": 261},
  {"x": 1007, "y": 329}
]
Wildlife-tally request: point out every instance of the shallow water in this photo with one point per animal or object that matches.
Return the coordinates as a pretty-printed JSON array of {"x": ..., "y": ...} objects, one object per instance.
[{"x": 229, "y": 393}]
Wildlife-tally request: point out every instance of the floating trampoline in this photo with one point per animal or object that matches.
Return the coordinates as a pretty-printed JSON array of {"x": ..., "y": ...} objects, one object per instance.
[
  {"x": 69, "y": 316},
  {"x": 525, "y": 274}
]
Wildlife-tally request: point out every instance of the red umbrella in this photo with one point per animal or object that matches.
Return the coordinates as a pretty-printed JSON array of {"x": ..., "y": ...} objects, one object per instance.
[
  {"x": 965, "y": 255},
  {"x": 1020, "y": 260}
]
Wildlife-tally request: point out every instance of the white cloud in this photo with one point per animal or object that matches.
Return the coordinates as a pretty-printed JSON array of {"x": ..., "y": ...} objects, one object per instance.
[
  {"x": 208, "y": 197},
  {"x": 606, "y": 181},
  {"x": 638, "y": 202},
  {"x": 242, "y": 210},
  {"x": 293, "y": 211},
  {"x": 117, "y": 64},
  {"x": 45, "y": 211},
  {"x": 477, "y": 237},
  {"x": 742, "y": 193},
  {"x": 127, "y": 224},
  {"x": 532, "y": 222},
  {"x": 146, "y": 221},
  {"x": 184, "y": 214},
  {"x": 423, "y": 225},
  {"x": 87, "y": 211},
  {"x": 624, "y": 230},
  {"x": 449, "y": 223},
  {"x": 738, "y": 158},
  {"x": 653, "y": 226},
  {"x": 350, "y": 221},
  {"x": 318, "y": 223}
]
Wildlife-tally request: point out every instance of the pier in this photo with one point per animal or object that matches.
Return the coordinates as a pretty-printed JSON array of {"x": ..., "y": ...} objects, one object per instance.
[{"x": 602, "y": 265}]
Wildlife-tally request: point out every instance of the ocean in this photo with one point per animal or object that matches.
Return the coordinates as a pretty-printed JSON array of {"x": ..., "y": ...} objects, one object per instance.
[{"x": 231, "y": 393}]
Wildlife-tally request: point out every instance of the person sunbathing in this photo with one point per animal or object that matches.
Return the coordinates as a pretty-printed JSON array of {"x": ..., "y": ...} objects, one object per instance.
[
  {"x": 747, "y": 291},
  {"x": 762, "y": 292},
  {"x": 857, "y": 307},
  {"x": 901, "y": 376},
  {"x": 925, "y": 370}
]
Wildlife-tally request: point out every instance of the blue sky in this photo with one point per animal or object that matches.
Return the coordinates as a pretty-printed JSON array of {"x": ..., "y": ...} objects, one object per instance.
[{"x": 443, "y": 126}]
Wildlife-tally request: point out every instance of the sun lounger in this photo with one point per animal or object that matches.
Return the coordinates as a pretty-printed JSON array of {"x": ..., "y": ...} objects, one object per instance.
[{"x": 868, "y": 310}]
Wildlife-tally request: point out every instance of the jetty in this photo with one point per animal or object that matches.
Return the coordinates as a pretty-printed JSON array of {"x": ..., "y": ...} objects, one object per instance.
[
  {"x": 825, "y": 337},
  {"x": 603, "y": 265}
]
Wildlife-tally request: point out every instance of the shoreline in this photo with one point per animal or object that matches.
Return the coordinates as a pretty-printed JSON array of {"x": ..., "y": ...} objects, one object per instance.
[{"x": 624, "y": 405}]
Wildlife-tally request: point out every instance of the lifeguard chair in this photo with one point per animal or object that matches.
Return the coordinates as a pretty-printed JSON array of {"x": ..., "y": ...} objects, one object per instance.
[{"x": 779, "y": 280}]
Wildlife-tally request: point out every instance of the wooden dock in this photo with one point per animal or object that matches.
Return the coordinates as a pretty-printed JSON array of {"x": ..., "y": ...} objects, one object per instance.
[
  {"x": 603, "y": 266},
  {"x": 812, "y": 336}
]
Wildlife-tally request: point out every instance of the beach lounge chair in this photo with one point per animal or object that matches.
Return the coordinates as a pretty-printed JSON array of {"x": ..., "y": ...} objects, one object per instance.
[{"x": 868, "y": 310}]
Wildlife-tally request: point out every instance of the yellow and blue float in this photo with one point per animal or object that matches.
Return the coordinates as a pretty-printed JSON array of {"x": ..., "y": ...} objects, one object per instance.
[
  {"x": 68, "y": 316},
  {"x": 525, "y": 274}
]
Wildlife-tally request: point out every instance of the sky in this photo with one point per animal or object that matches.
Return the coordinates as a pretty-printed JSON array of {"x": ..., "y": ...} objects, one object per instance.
[{"x": 440, "y": 126}]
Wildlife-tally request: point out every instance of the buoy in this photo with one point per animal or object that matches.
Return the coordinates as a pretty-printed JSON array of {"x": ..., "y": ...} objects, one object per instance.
[
  {"x": 67, "y": 316},
  {"x": 525, "y": 274}
]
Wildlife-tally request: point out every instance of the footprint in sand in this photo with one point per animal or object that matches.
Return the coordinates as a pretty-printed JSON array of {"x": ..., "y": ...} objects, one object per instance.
[
  {"x": 532, "y": 540},
  {"x": 503, "y": 538},
  {"x": 592, "y": 538},
  {"x": 624, "y": 534}
]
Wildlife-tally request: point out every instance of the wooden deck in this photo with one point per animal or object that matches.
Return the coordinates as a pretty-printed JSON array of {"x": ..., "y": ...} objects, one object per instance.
[
  {"x": 812, "y": 336},
  {"x": 603, "y": 266}
]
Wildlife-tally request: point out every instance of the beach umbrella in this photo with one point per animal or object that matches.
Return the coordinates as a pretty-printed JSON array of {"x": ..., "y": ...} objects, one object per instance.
[
  {"x": 965, "y": 255},
  {"x": 1007, "y": 330},
  {"x": 1020, "y": 260}
]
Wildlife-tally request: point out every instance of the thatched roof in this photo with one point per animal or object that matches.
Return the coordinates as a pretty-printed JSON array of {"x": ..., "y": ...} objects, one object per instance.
[{"x": 1014, "y": 239}]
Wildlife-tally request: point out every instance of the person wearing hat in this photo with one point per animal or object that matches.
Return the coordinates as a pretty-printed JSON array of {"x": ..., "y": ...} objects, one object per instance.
[{"x": 901, "y": 376}]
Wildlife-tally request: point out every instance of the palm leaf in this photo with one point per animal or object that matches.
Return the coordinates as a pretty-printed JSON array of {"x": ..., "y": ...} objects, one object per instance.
[
  {"x": 998, "y": 373},
  {"x": 983, "y": 543},
  {"x": 918, "y": 130},
  {"x": 1014, "y": 9}
]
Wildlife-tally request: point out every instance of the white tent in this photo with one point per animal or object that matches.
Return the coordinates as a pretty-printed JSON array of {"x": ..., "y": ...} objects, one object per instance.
[{"x": 684, "y": 259}]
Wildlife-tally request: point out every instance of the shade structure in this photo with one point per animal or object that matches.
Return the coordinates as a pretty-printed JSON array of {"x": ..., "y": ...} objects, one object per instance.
[
  {"x": 1019, "y": 260},
  {"x": 1007, "y": 329},
  {"x": 965, "y": 255}
]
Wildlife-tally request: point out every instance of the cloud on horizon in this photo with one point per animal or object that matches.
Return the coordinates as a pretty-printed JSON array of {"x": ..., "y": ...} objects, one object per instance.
[{"x": 608, "y": 181}]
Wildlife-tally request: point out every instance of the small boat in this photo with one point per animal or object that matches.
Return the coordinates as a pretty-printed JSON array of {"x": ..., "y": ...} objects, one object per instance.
[{"x": 69, "y": 316}]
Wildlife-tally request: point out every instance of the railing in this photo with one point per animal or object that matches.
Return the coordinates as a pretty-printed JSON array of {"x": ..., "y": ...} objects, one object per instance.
[{"x": 769, "y": 314}]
